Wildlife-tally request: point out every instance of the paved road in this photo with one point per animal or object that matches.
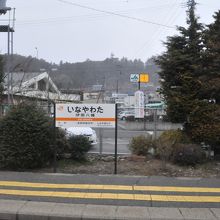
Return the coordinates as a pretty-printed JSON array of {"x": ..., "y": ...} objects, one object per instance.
[
  {"x": 108, "y": 140},
  {"x": 111, "y": 190}
]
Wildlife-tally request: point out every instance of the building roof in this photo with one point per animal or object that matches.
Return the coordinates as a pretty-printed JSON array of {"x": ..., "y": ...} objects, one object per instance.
[
  {"x": 39, "y": 85},
  {"x": 20, "y": 77}
]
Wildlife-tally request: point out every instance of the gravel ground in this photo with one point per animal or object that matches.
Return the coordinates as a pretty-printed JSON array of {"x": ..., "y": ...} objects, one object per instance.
[{"x": 135, "y": 165}]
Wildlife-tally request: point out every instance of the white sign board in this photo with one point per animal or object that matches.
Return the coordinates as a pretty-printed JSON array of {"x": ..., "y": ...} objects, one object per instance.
[
  {"x": 134, "y": 78},
  {"x": 139, "y": 104},
  {"x": 85, "y": 115}
]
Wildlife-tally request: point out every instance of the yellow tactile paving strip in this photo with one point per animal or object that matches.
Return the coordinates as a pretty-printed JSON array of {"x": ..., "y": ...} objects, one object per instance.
[
  {"x": 132, "y": 192},
  {"x": 111, "y": 187}
]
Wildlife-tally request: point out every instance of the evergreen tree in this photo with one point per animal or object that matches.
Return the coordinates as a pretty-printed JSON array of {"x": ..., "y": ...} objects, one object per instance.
[
  {"x": 26, "y": 138},
  {"x": 211, "y": 77},
  {"x": 191, "y": 83},
  {"x": 205, "y": 121},
  {"x": 181, "y": 67}
]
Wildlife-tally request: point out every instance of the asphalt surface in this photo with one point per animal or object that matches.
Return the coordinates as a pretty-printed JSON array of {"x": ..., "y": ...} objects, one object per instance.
[
  {"x": 111, "y": 190},
  {"x": 107, "y": 137}
]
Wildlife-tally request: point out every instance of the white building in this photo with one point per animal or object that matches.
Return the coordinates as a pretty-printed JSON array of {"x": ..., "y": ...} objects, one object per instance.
[{"x": 36, "y": 85}]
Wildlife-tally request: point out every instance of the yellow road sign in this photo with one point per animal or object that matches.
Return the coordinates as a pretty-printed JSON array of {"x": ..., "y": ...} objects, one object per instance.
[{"x": 144, "y": 78}]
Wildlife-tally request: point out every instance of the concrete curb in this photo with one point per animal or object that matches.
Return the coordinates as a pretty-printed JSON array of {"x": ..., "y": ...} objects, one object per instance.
[{"x": 30, "y": 210}]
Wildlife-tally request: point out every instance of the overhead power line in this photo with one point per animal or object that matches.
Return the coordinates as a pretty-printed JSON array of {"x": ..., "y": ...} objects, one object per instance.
[
  {"x": 171, "y": 15},
  {"x": 115, "y": 14}
]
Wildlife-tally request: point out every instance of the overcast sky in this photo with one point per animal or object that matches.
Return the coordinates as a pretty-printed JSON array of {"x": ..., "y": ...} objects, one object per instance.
[{"x": 76, "y": 30}]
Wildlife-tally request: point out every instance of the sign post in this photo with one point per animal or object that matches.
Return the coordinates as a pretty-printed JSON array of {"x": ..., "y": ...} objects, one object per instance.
[
  {"x": 54, "y": 138},
  {"x": 116, "y": 138},
  {"x": 87, "y": 115},
  {"x": 139, "y": 104}
]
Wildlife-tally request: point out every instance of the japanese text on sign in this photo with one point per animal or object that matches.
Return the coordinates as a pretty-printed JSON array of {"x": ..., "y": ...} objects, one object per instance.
[{"x": 81, "y": 115}]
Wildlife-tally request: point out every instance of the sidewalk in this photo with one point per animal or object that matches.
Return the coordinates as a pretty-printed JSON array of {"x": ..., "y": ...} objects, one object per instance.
[
  {"x": 47, "y": 196},
  {"x": 29, "y": 210}
]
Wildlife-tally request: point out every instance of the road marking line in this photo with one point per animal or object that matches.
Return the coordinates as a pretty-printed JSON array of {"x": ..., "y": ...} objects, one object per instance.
[
  {"x": 110, "y": 187},
  {"x": 113, "y": 196}
]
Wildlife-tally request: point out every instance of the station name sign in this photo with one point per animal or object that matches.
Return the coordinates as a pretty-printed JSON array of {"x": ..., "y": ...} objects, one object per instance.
[{"x": 85, "y": 115}]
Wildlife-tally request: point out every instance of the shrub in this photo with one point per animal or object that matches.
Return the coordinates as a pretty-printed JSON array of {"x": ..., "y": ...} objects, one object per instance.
[
  {"x": 61, "y": 143},
  {"x": 175, "y": 136},
  {"x": 164, "y": 150},
  {"x": 79, "y": 146},
  {"x": 188, "y": 154},
  {"x": 165, "y": 144},
  {"x": 141, "y": 144},
  {"x": 26, "y": 138}
]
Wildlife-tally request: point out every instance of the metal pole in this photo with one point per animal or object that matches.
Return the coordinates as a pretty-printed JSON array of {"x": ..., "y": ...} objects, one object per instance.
[
  {"x": 155, "y": 124},
  {"x": 12, "y": 53},
  {"x": 48, "y": 92},
  {"x": 55, "y": 144},
  {"x": 12, "y": 59},
  {"x": 100, "y": 141},
  {"x": 116, "y": 138},
  {"x": 8, "y": 65},
  {"x": 145, "y": 115}
]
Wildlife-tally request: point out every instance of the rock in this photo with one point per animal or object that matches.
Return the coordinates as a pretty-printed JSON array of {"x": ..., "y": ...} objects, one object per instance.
[{"x": 108, "y": 159}]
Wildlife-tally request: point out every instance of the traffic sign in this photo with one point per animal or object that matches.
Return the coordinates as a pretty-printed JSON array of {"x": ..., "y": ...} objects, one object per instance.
[
  {"x": 144, "y": 78},
  {"x": 134, "y": 78}
]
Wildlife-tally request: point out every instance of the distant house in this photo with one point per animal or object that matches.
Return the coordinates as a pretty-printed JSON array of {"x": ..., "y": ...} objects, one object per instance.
[
  {"x": 35, "y": 85},
  {"x": 91, "y": 97},
  {"x": 72, "y": 94},
  {"x": 94, "y": 94}
]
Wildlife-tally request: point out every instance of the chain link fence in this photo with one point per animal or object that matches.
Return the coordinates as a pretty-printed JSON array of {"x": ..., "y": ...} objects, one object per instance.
[{"x": 152, "y": 120}]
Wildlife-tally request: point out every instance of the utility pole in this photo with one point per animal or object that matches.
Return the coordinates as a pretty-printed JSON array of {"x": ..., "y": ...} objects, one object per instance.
[
  {"x": 102, "y": 91},
  {"x": 36, "y": 52},
  {"x": 118, "y": 69},
  {"x": 9, "y": 29}
]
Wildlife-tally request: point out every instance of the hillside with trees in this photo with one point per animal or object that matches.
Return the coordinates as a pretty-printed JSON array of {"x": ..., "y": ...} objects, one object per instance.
[{"x": 85, "y": 74}]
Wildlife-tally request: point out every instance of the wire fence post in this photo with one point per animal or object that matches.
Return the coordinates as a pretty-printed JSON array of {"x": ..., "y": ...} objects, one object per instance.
[{"x": 100, "y": 141}]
